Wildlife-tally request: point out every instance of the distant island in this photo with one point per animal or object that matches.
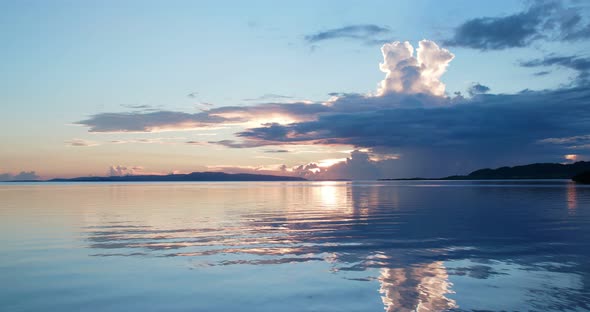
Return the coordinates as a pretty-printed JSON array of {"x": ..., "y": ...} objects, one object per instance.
[
  {"x": 190, "y": 177},
  {"x": 532, "y": 171}
]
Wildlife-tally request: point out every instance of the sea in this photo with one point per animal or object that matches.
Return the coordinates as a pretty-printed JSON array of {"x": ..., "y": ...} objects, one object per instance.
[{"x": 295, "y": 246}]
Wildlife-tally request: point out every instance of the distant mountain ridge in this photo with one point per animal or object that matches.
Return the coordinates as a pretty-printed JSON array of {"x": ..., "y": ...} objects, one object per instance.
[
  {"x": 531, "y": 171},
  {"x": 195, "y": 176}
]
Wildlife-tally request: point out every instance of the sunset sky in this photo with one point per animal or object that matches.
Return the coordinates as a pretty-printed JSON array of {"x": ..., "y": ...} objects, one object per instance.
[{"x": 319, "y": 89}]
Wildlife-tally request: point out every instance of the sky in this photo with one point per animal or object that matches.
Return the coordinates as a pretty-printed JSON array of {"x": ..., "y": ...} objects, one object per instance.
[{"x": 318, "y": 89}]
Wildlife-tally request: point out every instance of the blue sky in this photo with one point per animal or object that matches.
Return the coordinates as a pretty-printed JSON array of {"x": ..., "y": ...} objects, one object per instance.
[{"x": 63, "y": 62}]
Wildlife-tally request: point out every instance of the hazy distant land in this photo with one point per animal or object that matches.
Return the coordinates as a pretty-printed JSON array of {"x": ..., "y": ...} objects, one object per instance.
[{"x": 195, "y": 176}]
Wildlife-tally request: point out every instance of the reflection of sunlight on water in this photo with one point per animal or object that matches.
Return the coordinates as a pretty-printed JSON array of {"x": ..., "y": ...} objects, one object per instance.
[
  {"x": 572, "y": 199},
  {"x": 417, "y": 288},
  {"x": 332, "y": 195}
]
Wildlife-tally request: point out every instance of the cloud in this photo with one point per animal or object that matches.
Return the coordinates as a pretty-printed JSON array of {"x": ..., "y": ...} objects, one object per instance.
[
  {"x": 136, "y": 106},
  {"x": 22, "y": 176},
  {"x": 277, "y": 151},
  {"x": 119, "y": 171},
  {"x": 270, "y": 97},
  {"x": 579, "y": 64},
  {"x": 276, "y": 169},
  {"x": 80, "y": 142},
  {"x": 367, "y": 33},
  {"x": 237, "y": 144},
  {"x": 162, "y": 140},
  {"x": 487, "y": 118},
  {"x": 487, "y": 128},
  {"x": 548, "y": 20},
  {"x": 408, "y": 127},
  {"x": 358, "y": 166},
  {"x": 571, "y": 157},
  {"x": 575, "y": 142},
  {"x": 151, "y": 122},
  {"x": 406, "y": 73},
  {"x": 169, "y": 120},
  {"x": 477, "y": 88},
  {"x": 195, "y": 143}
]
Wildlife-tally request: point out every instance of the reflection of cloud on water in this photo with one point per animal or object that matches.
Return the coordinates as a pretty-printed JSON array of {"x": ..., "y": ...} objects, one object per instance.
[{"x": 416, "y": 288}]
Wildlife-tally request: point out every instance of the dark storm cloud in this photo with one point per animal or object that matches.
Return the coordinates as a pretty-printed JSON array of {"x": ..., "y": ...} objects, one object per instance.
[
  {"x": 579, "y": 64},
  {"x": 487, "y": 122},
  {"x": 543, "y": 20},
  {"x": 368, "y": 33}
]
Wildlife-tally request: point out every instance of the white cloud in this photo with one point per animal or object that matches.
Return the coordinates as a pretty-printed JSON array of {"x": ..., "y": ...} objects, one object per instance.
[{"x": 406, "y": 73}]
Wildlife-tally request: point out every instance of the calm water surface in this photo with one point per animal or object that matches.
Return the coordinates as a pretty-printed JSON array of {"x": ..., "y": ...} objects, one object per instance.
[{"x": 295, "y": 246}]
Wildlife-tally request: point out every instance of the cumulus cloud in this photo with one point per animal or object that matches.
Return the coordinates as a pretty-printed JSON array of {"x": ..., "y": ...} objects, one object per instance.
[
  {"x": 406, "y": 73},
  {"x": 367, "y": 33},
  {"x": 119, "y": 170},
  {"x": 22, "y": 176},
  {"x": 549, "y": 20}
]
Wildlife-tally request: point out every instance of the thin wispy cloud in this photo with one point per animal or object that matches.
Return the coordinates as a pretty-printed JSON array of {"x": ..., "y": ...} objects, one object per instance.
[
  {"x": 81, "y": 143},
  {"x": 580, "y": 64},
  {"x": 136, "y": 106},
  {"x": 277, "y": 151},
  {"x": 369, "y": 34},
  {"x": 270, "y": 97}
]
